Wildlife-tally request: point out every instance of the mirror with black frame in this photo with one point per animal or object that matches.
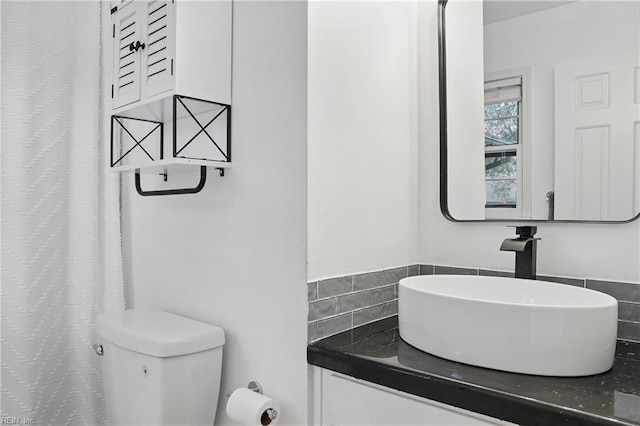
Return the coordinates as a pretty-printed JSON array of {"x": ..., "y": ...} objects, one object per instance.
[{"x": 540, "y": 110}]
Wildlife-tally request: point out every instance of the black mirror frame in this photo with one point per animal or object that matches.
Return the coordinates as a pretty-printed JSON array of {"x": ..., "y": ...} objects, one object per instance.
[{"x": 444, "y": 177}]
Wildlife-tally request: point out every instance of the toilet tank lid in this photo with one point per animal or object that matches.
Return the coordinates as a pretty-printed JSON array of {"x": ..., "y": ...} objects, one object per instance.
[{"x": 158, "y": 333}]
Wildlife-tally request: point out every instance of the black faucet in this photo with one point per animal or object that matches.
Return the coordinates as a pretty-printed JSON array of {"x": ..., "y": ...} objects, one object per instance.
[{"x": 525, "y": 248}]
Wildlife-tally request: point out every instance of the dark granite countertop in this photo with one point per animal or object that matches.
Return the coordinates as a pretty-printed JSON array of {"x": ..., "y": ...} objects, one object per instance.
[{"x": 376, "y": 353}]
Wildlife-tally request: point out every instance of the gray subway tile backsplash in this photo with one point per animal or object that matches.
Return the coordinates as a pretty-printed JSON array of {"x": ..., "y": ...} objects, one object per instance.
[
  {"x": 391, "y": 276},
  {"x": 312, "y": 331},
  {"x": 312, "y": 291},
  {"x": 367, "y": 281},
  {"x": 629, "y": 331},
  {"x": 357, "y": 300},
  {"x": 374, "y": 313},
  {"x": 561, "y": 280},
  {"x": 390, "y": 308},
  {"x": 343, "y": 303},
  {"x": 625, "y": 292},
  {"x": 451, "y": 270},
  {"x": 322, "y": 309},
  {"x": 334, "y": 325},
  {"x": 382, "y": 294},
  {"x": 490, "y": 273},
  {"x": 367, "y": 315},
  {"x": 335, "y": 286},
  {"x": 413, "y": 270},
  {"x": 352, "y": 301},
  {"x": 425, "y": 269},
  {"x": 629, "y": 311}
]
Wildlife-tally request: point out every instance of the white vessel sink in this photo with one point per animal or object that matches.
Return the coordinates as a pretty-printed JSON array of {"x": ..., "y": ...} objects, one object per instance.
[{"x": 509, "y": 324}]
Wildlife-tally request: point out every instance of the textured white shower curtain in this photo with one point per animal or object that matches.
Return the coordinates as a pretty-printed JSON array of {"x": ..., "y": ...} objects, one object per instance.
[{"x": 61, "y": 255}]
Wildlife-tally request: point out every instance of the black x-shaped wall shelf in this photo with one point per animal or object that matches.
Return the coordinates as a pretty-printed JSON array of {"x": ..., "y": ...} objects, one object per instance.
[{"x": 183, "y": 108}]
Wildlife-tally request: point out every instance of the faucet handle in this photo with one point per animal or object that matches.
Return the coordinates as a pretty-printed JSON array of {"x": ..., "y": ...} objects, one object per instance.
[{"x": 525, "y": 231}]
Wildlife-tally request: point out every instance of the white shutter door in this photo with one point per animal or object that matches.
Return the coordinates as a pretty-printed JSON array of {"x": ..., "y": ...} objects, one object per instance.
[
  {"x": 157, "y": 69},
  {"x": 126, "y": 62}
]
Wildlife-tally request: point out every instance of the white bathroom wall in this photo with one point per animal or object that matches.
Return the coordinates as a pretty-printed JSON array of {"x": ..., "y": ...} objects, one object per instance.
[
  {"x": 579, "y": 250},
  {"x": 362, "y": 137},
  {"x": 234, "y": 255}
]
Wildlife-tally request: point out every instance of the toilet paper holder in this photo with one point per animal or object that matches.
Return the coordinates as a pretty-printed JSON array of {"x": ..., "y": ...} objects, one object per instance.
[
  {"x": 257, "y": 387},
  {"x": 253, "y": 385}
]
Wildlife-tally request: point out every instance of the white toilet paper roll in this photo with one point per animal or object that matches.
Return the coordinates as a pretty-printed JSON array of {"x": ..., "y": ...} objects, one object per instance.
[{"x": 251, "y": 408}]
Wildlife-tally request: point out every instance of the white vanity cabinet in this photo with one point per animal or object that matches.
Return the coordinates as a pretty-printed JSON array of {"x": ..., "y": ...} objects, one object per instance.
[
  {"x": 340, "y": 400},
  {"x": 166, "y": 47}
]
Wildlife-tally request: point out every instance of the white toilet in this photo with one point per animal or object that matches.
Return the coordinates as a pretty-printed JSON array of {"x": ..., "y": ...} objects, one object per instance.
[{"x": 159, "y": 368}]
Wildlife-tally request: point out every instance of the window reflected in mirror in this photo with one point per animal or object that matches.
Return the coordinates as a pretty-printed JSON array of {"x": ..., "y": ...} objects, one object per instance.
[{"x": 502, "y": 142}]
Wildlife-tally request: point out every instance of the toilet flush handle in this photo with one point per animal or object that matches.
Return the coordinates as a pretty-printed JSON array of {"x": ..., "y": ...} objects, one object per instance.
[{"x": 99, "y": 349}]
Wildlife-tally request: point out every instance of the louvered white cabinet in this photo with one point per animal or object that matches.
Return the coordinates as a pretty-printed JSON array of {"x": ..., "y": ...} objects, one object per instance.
[
  {"x": 167, "y": 47},
  {"x": 143, "y": 51},
  {"x": 171, "y": 81}
]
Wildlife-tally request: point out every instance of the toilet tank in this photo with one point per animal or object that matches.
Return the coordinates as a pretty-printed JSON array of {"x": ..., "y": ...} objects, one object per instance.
[{"x": 159, "y": 368}]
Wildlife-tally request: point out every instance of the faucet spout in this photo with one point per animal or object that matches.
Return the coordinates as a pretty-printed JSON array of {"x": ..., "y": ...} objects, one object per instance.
[
  {"x": 525, "y": 248},
  {"x": 516, "y": 244}
]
